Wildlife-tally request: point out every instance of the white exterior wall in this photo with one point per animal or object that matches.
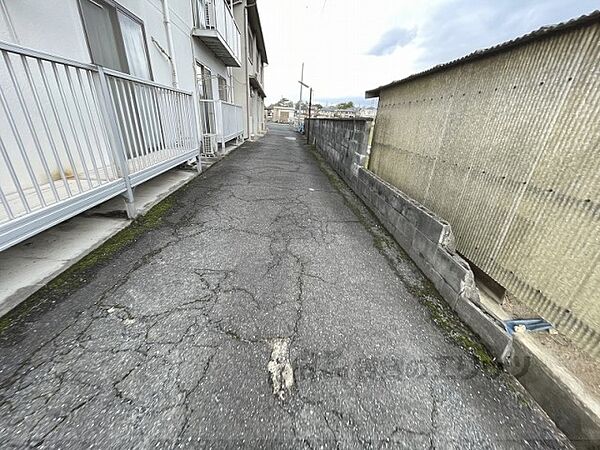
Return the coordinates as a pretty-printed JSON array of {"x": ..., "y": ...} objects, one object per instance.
[
  {"x": 56, "y": 27},
  {"x": 241, "y": 87},
  {"x": 52, "y": 26},
  {"x": 252, "y": 104}
]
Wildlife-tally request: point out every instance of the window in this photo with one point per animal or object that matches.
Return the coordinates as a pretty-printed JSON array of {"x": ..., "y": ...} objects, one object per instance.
[
  {"x": 135, "y": 46},
  {"x": 250, "y": 46},
  {"x": 116, "y": 39},
  {"x": 224, "y": 90},
  {"x": 200, "y": 13},
  {"x": 204, "y": 82},
  {"x": 206, "y": 11},
  {"x": 259, "y": 67},
  {"x": 205, "y": 95}
]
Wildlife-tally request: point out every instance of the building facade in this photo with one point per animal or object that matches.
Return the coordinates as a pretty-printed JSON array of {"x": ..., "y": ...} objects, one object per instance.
[
  {"x": 283, "y": 114},
  {"x": 98, "y": 96},
  {"x": 249, "y": 78}
]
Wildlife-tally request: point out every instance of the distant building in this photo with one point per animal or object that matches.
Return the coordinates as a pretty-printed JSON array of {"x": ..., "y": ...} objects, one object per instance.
[
  {"x": 346, "y": 113},
  {"x": 282, "y": 114},
  {"x": 369, "y": 112},
  {"x": 331, "y": 112},
  {"x": 327, "y": 112}
]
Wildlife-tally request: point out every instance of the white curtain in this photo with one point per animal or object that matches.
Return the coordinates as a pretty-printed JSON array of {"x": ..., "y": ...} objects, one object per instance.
[{"x": 135, "y": 47}]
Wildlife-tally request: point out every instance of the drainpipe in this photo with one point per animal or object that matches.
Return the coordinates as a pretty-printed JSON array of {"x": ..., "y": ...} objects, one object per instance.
[
  {"x": 9, "y": 24},
  {"x": 170, "y": 48},
  {"x": 245, "y": 56}
]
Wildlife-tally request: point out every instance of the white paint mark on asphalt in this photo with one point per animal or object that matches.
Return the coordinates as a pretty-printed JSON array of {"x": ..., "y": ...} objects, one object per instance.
[
  {"x": 282, "y": 374},
  {"x": 290, "y": 138}
]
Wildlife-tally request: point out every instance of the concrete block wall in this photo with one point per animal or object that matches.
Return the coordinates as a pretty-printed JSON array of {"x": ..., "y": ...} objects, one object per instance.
[
  {"x": 429, "y": 241},
  {"x": 426, "y": 238},
  {"x": 518, "y": 182}
]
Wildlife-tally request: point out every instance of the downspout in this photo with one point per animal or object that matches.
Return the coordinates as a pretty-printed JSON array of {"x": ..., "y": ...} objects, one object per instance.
[
  {"x": 9, "y": 24},
  {"x": 170, "y": 47},
  {"x": 247, "y": 80}
]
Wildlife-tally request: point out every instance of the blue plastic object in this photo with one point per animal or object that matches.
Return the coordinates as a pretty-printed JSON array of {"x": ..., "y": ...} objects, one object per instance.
[{"x": 530, "y": 325}]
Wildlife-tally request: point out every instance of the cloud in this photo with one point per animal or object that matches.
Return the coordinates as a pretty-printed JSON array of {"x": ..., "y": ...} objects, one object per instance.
[
  {"x": 459, "y": 27},
  {"x": 348, "y": 48},
  {"x": 391, "y": 40}
]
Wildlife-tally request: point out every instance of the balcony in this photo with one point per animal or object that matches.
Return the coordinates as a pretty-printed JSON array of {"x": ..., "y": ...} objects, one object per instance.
[
  {"x": 73, "y": 135},
  {"x": 216, "y": 28},
  {"x": 257, "y": 85},
  {"x": 220, "y": 122}
]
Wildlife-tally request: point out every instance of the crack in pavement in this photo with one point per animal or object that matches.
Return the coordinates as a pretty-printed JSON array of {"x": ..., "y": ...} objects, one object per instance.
[{"x": 224, "y": 326}]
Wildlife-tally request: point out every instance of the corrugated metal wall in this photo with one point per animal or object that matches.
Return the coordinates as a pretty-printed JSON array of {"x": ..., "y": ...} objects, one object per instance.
[{"x": 507, "y": 149}]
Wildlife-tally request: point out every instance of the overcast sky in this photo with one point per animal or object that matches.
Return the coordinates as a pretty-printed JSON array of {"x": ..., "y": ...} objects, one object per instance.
[{"x": 349, "y": 46}]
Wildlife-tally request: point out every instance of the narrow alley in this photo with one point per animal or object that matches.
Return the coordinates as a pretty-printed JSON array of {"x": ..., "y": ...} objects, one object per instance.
[{"x": 265, "y": 309}]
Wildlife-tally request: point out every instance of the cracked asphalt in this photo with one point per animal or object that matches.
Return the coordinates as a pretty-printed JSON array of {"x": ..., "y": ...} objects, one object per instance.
[{"x": 185, "y": 339}]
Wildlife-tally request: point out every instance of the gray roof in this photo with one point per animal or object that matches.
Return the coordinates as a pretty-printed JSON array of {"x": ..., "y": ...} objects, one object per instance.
[{"x": 593, "y": 17}]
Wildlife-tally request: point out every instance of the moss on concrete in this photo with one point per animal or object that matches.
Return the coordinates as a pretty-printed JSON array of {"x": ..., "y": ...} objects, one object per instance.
[
  {"x": 439, "y": 311},
  {"x": 79, "y": 273},
  {"x": 446, "y": 319}
]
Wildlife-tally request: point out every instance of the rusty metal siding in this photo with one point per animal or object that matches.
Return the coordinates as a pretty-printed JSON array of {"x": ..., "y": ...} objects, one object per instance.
[{"x": 507, "y": 149}]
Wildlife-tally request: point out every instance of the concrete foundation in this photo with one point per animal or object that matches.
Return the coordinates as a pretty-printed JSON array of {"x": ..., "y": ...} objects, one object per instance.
[{"x": 28, "y": 266}]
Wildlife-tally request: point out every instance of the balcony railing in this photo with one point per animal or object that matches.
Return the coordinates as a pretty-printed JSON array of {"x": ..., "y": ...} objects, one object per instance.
[
  {"x": 73, "y": 135},
  {"x": 220, "y": 122},
  {"x": 216, "y": 27}
]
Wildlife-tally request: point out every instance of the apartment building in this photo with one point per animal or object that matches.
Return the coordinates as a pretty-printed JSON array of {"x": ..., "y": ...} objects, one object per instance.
[
  {"x": 98, "y": 96},
  {"x": 249, "y": 78},
  {"x": 220, "y": 113}
]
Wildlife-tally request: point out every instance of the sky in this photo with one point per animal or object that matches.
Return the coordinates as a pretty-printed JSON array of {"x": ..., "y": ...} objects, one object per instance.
[{"x": 350, "y": 46}]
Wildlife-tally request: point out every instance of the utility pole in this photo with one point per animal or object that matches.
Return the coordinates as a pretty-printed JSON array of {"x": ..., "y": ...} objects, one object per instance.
[
  {"x": 301, "y": 83},
  {"x": 309, "y": 111}
]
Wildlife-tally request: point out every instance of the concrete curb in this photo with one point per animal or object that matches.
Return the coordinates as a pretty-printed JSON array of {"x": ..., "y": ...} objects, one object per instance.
[
  {"x": 41, "y": 269},
  {"x": 562, "y": 396},
  {"x": 429, "y": 241}
]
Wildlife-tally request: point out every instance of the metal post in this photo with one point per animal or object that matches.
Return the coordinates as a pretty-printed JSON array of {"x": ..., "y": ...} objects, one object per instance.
[
  {"x": 197, "y": 134},
  {"x": 116, "y": 140},
  {"x": 170, "y": 46},
  {"x": 301, "y": 81},
  {"x": 309, "y": 115}
]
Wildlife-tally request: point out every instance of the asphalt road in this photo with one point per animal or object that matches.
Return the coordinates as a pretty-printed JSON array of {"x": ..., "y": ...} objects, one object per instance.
[{"x": 263, "y": 312}]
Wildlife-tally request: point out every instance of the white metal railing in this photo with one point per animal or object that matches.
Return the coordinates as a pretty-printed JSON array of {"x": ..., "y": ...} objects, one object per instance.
[
  {"x": 156, "y": 122},
  {"x": 232, "y": 119},
  {"x": 73, "y": 135},
  {"x": 220, "y": 122},
  {"x": 219, "y": 17}
]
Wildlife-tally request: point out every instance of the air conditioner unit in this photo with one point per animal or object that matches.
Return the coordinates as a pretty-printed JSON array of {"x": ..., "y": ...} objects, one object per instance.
[
  {"x": 209, "y": 14},
  {"x": 209, "y": 145}
]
